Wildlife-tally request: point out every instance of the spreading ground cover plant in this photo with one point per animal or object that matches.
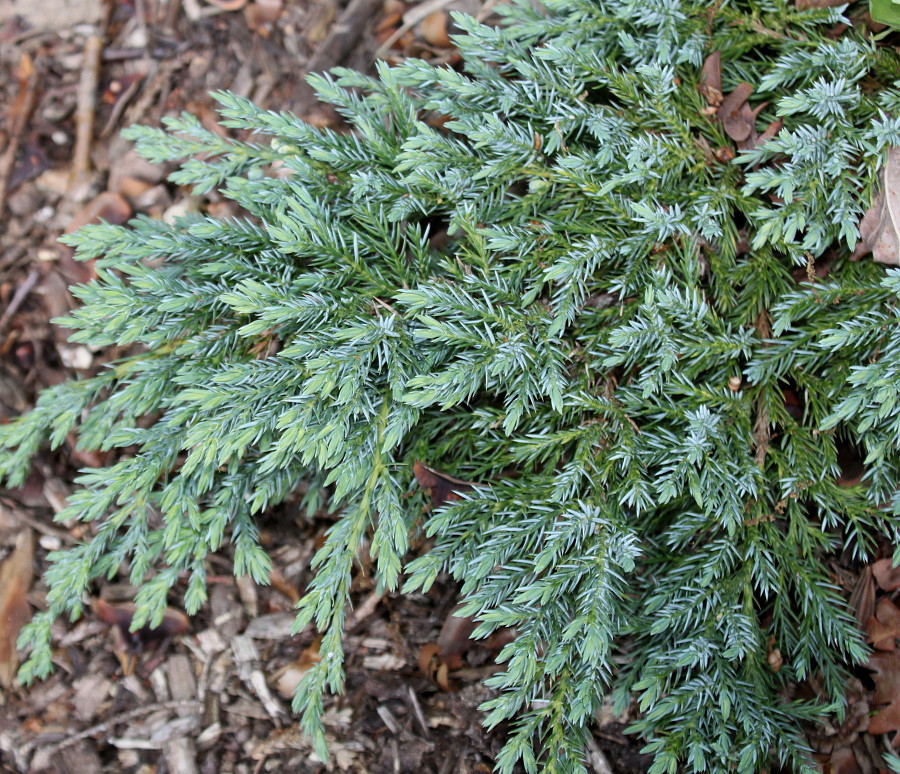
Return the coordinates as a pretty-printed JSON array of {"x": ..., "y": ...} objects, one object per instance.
[{"x": 605, "y": 272}]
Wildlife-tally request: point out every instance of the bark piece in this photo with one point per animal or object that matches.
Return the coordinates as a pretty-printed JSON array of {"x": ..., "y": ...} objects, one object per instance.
[
  {"x": 16, "y": 574},
  {"x": 341, "y": 39},
  {"x": 90, "y": 693},
  {"x": 80, "y": 758}
]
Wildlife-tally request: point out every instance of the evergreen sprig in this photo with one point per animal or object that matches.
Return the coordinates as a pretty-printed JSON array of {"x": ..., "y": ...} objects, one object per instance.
[{"x": 534, "y": 274}]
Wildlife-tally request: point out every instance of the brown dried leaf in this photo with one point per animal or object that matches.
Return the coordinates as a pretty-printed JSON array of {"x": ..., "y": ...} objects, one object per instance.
[
  {"x": 883, "y": 628},
  {"x": 434, "y": 29},
  {"x": 771, "y": 130},
  {"x": 862, "y": 598},
  {"x": 735, "y": 120},
  {"x": 748, "y": 117},
  {"x": 887, "y": 692},
  {"x": 879, "y": 230},
  {"x": 433, "y": 667},
  {"x": 130, "y": 644},
  {"x": 886, "y": 575},
  {"x": 711, "y": 79},
  {"x": 440, "y": 487},
  {"x": 260, "y": 15},
  {"x": 289, "y": 676},
  {"x": 453, "y": 640},
  {"x": 843, "y": 761},
  {"x": 16, "y": 574}
]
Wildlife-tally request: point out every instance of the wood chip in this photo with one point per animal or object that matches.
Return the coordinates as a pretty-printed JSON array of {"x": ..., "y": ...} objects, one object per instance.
[
  {"x": 341, "y": 39},
  {"x": 80, "y": 758},
  {"x": 417, "y": 711},
  {"x": 180, "y": 755},
  {"x": 211, "y": 642},
  {"x": 90, "y": 693},
  {"x": 246, "y": 588},
  {"x": 384, "y": 662},
  {"x": 275, "y": 626},
  {"x": 246, "y": 657},
  {"x": 434, "y": 29},
  {"x": 389, "y": 720},
  {"x": 180, "y": 673}
]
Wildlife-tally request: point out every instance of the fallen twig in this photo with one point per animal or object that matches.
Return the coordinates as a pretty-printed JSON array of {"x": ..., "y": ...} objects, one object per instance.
[
  {"x": 366, "y": 608},
  {"x": 19, "y": 296},
  {"x": 119, "y": 107},
  {"x": 344, "y": 34},
  {"x": 85, "y": 112},
  {"x": 101, "y": 728},
  {"x": 18, "y": 117}
]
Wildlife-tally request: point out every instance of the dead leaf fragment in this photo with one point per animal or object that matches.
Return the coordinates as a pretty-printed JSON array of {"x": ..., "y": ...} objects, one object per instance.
[
  {"x": 883, "y": 628},
  {"x": 440, "y": 487},
  {"x": 16, "y": 574},
  {"x": 879, "y": 230},
  {"x": 862, "y": 598},
  {"x": 732, "y": 114},
  {"x": 886, "y": 575},
  {"x": 711, "y": 79},
  {"x": 129, "y": 645},
  {"x": 433, "y": 666},
  {"x": 434, "y": 29},
  {"x": 770, "y": 131},
  {"x": 289, "y": 676},
  {"x": 454, "y": 640},
  {"x": 887, "y": 692}
]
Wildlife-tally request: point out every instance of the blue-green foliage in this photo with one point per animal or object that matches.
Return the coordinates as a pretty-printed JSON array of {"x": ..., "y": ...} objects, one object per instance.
[{"x": 601, "y": 336}]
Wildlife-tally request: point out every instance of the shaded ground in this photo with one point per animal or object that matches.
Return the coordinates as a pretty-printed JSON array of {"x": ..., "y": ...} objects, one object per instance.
[{"x": 216, "y": 698}]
